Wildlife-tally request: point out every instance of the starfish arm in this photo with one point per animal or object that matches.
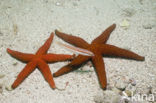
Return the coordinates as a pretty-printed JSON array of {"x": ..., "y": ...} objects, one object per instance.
[
  {"x": 105, "y": 35},
  {"x": 64, "y": 70},
  {"x": 20, "y": 56},
  {"x": 71, "y": 66},
  {"x": 24, "y": 73},
  {"x": 56, "y": 57},
  {"x": 44, "y": 68},
  {"x": 111, "y": 50},
  {"x": 100, "y": 70},
  {"x": 74, "y": 40},
  {"x": 44, "y": 48}
]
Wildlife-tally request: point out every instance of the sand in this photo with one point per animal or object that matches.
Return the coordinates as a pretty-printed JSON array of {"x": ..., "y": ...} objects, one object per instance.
[{"x": 26, "y": 24}]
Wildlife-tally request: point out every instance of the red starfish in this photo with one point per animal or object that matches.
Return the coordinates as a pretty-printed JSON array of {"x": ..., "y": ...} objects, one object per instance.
[
  {"x": 40, "y": 60},
  {"x": 99, "y": 48}
]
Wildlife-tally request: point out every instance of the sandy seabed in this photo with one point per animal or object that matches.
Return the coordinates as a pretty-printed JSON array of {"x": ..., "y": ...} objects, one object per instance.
[{"x": 26, "y": 24}]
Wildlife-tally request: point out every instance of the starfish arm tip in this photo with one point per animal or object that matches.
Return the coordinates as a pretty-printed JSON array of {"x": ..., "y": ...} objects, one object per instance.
[
  {"x": 104, "y": 88},
  {"x": 60, "y": 72},
  {"x": 114, "y": 24},
  {"x": 142, "y": 58},
  {"x": 52, "y": 34},
  {"x": 56, "y": 31},
  {"x": 54, "y": 75},
  {"x": 11, "y": 52},
  {"x": 54, "y": 87},
  {"x": 13, "y": 86},
  {"x": 139, "y": 58},
  {"x": 8, "y": 50}
]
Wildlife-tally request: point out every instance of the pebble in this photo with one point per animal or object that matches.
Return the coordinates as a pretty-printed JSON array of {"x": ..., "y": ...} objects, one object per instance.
[
  {"x": 125, "y": 100},
  {"x": 125, "y": 24},
  {"x": 8, "y": 87},
  {"x": 128, "y": 93},
  {"x": 15, "y": 63},
  {"x": 132, "y": 81},
  {"x": 58, "y": 4},
  {"x": 121, "y": 85},
  {"x": 131, "y": 88}
]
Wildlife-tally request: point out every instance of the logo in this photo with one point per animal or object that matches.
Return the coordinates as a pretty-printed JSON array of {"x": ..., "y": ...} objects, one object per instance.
[{"x": 137, "y": 97}]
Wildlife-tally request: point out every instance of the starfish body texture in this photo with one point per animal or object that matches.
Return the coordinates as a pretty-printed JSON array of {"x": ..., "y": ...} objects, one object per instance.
[
  {"x": 39, "y": 60},
  {"x": 99, "y": 48}
]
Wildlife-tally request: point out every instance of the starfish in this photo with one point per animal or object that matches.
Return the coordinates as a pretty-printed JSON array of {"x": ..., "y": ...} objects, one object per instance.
[
  {"x": 99, "y": 48},
  {"x": 39, "y": 60}
]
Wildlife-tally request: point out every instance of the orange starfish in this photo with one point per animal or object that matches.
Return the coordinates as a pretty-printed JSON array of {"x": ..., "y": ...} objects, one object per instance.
[
  {"x": 40, "y": 60},
  {"x": 98, "y": 47}
]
